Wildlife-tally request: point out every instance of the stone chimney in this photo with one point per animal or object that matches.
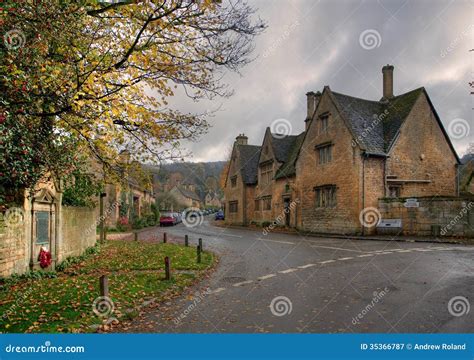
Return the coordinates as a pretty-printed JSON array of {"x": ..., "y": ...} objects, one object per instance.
[
  {"x": 312, "y": 100},
  {"x": 241, "y": 139},
  {"x": 387, "y": 72}
]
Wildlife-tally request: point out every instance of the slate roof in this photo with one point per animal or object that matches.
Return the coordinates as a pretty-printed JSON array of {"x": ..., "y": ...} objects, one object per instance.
[
  {"x": 374, "y": 123},
  {"x": 188, "y": 194},
  {"x": 288, "y": 169},
  {"x": 282, "y": 145},
  {"x": 249, "y": 155}
]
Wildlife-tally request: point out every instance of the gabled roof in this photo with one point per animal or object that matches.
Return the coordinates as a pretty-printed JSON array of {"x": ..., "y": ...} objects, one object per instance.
[
  {"x": 249, "y": 155},
  {"x": 375, "y": 123},
  {"x": 188, "y": 194},
  {"x": 282, "y": 145},
  {"x": 288, "y": 168}
]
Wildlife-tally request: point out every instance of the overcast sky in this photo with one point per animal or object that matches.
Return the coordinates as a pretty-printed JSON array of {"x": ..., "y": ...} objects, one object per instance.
[{"x": 344, "y": 44}]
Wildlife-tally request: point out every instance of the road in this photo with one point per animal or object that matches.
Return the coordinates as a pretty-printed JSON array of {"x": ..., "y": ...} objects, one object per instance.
[{"x": 288, "y": 283}]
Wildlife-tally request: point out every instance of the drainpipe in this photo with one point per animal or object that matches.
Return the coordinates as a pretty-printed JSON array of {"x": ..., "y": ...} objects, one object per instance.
[
  {"x": 363, "y": 189},
  {"x": 32, "y": 238}
]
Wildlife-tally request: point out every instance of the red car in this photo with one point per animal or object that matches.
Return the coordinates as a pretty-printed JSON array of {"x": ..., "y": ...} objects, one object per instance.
[{"x": 167, "y": 219}]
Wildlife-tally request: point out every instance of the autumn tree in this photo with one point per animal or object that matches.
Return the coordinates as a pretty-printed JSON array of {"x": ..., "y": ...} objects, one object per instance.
[{"x": 96, "y": 77}]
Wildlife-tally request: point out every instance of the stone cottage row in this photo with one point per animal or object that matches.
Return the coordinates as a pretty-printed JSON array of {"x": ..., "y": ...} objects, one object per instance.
[{"x": 353, "y": 152}]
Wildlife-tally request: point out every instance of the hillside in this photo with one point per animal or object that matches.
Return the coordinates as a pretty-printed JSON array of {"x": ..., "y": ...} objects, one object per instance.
[{"x": 204, "y": 175}]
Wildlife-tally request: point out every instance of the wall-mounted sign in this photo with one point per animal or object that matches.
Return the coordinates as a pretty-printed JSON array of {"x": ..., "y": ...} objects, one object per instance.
[{"x": 411, "y": 203}]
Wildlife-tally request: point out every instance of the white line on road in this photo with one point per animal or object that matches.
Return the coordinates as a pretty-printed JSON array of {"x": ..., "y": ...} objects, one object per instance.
[
  {"x": 243, "y": 283},
  {"x": 287, "y": 271},
  {"x": 327, "y": 261},
  {"x": 306, "y": 266},
  {"x": 266, "y": 276},
  {"x": 346, "y": 258},
  {"x": 217, "y": 290},
  {"x": 334, "y": 248},
  {"x": 385, "y": 252},
  {"x": 277, "y": 241},
  {"x": 365, "y": 255},
  {"x": 404, "y": 251}
]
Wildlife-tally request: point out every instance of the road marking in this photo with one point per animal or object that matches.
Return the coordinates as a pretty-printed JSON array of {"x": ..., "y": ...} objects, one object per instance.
[
  {"x": 346, "y": 258},
  {"x": 277, "y": 241},
  {"x": 383, "y": 253},
  {"x": 266, "y": 276},
  {"x": 217, "y": 290},
  {"x": 243, "y": 283},
  {"x": 287, "y": 271},
  {"x": 422, "y": 250},
  {"x": 327, "y": 261},
  {"x": 365, "y": 255},
  {"x": 334, "y": 248},
  {"x": 306, "y": 266},
  {"x": 404, "y": 251}
]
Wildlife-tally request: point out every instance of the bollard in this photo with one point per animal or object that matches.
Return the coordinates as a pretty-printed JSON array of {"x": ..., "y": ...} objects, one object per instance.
[
  {"x": 200, "y": 243},
  {"x": 104, "y": 285},
  {"x": 186, "y": 240},
  {"x": 198, "y": 254},
  {"x": 165, "y": 238},
  {"x": 167, "y": 268},
  {"x": 136, "y": 235}
]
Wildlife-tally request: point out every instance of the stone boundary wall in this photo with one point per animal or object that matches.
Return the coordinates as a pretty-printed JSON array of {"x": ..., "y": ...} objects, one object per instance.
[{"x": 434, "y": 216}]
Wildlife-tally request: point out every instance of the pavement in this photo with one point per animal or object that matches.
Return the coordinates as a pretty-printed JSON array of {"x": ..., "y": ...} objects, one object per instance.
[{"x": 290, "y": 283}]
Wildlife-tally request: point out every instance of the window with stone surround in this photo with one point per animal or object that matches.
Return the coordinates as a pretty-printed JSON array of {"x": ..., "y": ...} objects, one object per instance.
[
  {"x": 323, "y": 123},
  {"x": 324, "y": 153},
  {"x": 257, "y": 204},
  {"x": 394, "y": 191},
  {"x": 266, "y": 173},
  {"x": 325, "y": 196},
  {"x": 267, "y": 203},
  {"x": 233, "y": 206},
  {"x": 233, "y": 181}
]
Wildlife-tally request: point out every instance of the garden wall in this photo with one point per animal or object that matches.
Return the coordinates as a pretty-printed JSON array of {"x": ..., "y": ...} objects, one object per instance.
[{"x": 432, "y": 216}]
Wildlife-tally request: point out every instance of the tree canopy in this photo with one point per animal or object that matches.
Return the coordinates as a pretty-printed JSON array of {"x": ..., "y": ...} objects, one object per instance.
[{"x": 94, "y": 77}]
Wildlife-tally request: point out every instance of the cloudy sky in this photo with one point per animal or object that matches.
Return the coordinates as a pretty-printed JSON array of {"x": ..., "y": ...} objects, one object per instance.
[{"x": 344, "y": 44}]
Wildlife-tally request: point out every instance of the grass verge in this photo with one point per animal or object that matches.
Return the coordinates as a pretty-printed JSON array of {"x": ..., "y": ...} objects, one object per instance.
[{"x": 64, "y": 303}]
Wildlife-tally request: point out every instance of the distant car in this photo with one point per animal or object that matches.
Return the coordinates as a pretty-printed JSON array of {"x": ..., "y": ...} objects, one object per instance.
[
  {"x": 168, "y": 219},
  {"x": 219, "y": 215}
]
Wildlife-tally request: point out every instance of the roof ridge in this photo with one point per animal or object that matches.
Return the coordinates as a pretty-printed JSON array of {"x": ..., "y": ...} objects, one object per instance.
[{"x": 378, "y": 101}]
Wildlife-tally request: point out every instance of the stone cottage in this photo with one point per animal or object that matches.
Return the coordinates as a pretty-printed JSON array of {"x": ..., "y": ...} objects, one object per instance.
[{"x": 352, "y": 153}]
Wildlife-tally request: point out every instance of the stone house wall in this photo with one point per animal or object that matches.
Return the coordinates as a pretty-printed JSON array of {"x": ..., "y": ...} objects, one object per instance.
[
  {"x": 422, "y": 153},
  {"x": 344, "y": 171},
  {"x": 235, "y": 193}
]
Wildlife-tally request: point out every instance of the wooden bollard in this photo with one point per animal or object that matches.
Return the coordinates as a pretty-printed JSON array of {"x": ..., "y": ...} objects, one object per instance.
[
  {"x": 167, "y": 268},
  {"x": 165, "y": 238},
  {"x": 186, "y": 240},
  {"x": 104, "y": 285},
  {"x": 136, "y": 235},
  {"x": 200, "y": 243},
  {"x": 198, "y": 254}
]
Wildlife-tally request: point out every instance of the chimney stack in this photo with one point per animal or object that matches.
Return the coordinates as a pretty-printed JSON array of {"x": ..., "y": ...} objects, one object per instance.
[
  {"x": 387, "y": 72},
  {"x": 312, "y": 100},
  {"x": 241, "y": 139}
]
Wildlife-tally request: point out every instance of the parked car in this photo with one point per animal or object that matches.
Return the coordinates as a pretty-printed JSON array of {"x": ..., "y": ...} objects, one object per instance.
[
  {"x": 178, "y": 217},
  {"x": 219, "y": 215},
  {"x": 168, "y": 219}
]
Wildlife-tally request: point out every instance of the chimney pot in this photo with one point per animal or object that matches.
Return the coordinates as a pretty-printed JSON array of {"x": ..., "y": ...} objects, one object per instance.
[
  {"x": 387, "y": 72},
  {"x": 312, "y": 100}
]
